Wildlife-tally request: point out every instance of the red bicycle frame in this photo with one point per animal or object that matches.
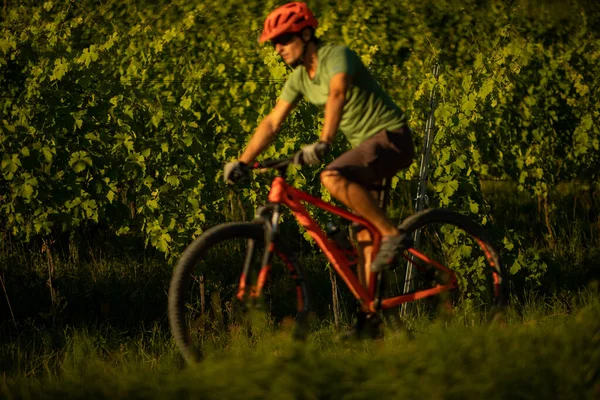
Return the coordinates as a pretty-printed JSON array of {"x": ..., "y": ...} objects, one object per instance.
[{"x": 283, "y": 193}]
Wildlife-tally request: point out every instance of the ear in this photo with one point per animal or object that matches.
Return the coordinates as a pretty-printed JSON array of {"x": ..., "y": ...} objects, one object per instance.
[{"x": 306, "y": 35}]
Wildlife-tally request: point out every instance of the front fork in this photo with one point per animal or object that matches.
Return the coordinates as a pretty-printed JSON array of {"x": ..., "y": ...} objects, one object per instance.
[{"x": 268, "y": 216}]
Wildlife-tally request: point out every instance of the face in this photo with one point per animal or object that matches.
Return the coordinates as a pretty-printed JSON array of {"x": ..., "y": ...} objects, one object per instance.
[{"x": 290, "y": 47}]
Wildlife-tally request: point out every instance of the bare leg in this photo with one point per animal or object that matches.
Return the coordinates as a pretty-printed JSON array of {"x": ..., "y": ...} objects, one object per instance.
[
  {"x": 359, "y": 200},
  {"x": 365, "y": 255},
  {"x": 362, "y": 202}
]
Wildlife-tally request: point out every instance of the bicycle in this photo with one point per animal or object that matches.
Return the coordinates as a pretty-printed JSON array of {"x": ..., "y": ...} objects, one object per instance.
[{"x": 262, "y": 233}]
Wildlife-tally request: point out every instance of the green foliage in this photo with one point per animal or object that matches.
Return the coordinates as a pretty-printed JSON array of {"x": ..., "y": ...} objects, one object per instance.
[
  {"x": 122, "y": 114},
  {"x": 524, "y": 359}
]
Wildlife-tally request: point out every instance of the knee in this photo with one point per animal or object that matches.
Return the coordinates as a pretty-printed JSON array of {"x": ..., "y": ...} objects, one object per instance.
[{"x": 330, "y": 179}]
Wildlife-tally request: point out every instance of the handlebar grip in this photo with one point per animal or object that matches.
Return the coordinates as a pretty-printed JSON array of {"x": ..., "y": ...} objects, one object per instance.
[{"x": 322, "y": 148}]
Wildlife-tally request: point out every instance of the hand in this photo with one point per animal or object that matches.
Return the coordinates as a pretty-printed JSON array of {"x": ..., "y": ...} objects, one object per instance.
[
  {"x": 312, "y": 154},
  {"x": 234, "y": 171}
]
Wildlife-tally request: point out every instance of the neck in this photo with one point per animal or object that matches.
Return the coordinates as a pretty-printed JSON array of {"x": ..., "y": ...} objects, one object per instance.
[{"x": 310, "y": 59}]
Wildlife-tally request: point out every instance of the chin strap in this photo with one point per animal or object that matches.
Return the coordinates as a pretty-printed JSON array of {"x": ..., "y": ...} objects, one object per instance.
[{"x": 301, "y": 60}]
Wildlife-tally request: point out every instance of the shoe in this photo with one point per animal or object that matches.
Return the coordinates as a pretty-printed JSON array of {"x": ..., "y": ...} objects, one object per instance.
[
  {"x": 368, "y": 326},
  {"x": 389, "y": 250}
]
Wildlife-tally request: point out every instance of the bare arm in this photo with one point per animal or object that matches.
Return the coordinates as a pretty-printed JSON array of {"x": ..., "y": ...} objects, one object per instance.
[
  {"x": 266, "y": 131},
  {"x": 338, "y": 86}
]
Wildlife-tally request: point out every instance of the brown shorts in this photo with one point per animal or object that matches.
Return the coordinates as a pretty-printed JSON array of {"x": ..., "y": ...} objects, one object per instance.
[{"x": 377, "y": 158}]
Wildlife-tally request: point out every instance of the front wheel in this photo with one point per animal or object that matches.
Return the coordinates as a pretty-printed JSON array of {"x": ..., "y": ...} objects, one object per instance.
[
  {"x": 213, "y": 286},
  {"x": 450, "y": 250}
]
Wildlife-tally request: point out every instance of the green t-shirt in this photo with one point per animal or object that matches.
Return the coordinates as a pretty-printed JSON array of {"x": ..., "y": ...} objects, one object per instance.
[{"x": 368, "y": 107}]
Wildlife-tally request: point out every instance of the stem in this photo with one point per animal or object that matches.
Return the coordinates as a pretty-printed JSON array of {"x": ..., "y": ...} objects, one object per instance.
[
  {"x": 46, "y": 248},
  {"x": 202, "y": 296},
  {"x": 336, "y": 303},
  {"x": 217, "y": 310},
  {"x": 547, "y": 219},
  {"x": 7, "y": 299}
]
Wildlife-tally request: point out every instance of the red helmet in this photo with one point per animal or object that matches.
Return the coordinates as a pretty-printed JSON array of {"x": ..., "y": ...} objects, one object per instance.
[{"x": 289, "y": 18}]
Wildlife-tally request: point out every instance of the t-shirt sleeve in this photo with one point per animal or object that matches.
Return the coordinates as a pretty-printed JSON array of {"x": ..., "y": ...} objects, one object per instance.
[
  {"x": 342, "y": 59},
  {"x": 290, "y": 91}
]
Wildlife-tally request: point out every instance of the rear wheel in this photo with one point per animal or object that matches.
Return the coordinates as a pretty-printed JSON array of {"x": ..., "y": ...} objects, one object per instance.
[
  {"x": 212, "y": 294},
  {"x": 448, "y": 249}
]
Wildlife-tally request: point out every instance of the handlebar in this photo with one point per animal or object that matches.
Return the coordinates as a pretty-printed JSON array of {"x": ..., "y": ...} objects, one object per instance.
[
  {"x": 273, "y": 163},
  {"x": 281, "y": 163}
]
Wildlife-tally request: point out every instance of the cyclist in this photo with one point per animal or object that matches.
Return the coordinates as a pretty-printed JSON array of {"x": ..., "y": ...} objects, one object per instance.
[{"x": 333, "y": 76}]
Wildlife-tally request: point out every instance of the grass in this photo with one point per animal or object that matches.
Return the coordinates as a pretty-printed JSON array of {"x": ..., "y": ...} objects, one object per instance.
[
  {"x": 543, "y": 351},
  {"x": 107, "y": 335}
]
